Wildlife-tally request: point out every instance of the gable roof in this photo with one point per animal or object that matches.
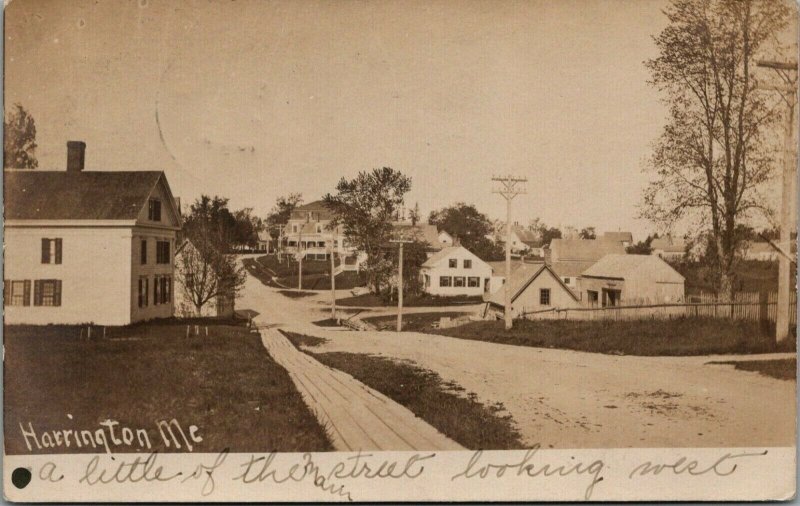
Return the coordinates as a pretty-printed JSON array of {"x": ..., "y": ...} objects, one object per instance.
[
  {"x": 583, "y": 250},
  {"x": 447, "y": 252},
  {"x": 522, "y": 278},
  {"x": 86, "y": 195},
  {"x": 618, "y": 236},
  {"x": 421, "y": 232},
  {"x": 624, "y": 266},
  {"x": 668, "y": 244},
  {"x": 317, "y": 206}
]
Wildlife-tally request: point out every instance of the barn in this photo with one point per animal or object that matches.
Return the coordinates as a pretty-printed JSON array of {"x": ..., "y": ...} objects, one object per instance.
[{"x": 631, "y": 280}]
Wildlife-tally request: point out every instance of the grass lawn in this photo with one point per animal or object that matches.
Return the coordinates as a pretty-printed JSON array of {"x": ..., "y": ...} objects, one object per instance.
[
  {"x": 316, "y": 273},
  {"x": 372, "y": 300},
  {"x": 226, "y": 384},
  {"x": 682, "y": 336},
  {"x": 443, "y": 405},
  {"x": 782, "y": 369},
  {"x": 412, "y": 322}
]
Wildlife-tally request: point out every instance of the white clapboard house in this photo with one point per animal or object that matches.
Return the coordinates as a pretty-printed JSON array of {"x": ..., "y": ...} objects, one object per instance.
[
  {"x": 88, "y": 246},
  {"x": 455, "y": 271}
]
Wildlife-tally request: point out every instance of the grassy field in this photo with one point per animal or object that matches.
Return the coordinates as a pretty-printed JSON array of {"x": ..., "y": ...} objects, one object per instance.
[
  {"x": 224, "y": 383},
  {"x": 446, "y": 406},
  {"x": 423, "y": 300},
  {"x": 412, "y": 322},
  {"x": 316, "y": 274},
  {"x": 682, "y": 336},
  {"x": 782, "y": 369}
]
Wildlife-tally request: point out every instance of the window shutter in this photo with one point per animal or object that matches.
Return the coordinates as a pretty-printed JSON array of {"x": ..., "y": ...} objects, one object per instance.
[
  {"x": 37, "y": 292},
  {"x": 57, "y": 292},
  {"x": 156, "y": 293},
  {"x": 146, "y": 291},
  {"x": 45, "y": 251},
  {"x": 58, "y": 251},
  {"x": 26, "y": 293},
  {"x": 6, "y": 292},
  {"x": 167, "y": 257}
]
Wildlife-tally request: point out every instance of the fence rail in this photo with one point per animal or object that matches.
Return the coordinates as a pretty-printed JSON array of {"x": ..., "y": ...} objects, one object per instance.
[{"x": 745, "y": 306}]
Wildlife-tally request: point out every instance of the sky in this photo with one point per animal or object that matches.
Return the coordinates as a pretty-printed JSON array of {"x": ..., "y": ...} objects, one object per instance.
[{"x": 252, "y": 100}]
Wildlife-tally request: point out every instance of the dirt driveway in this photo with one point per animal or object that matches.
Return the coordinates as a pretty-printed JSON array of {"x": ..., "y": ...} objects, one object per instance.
[{"x": 568, "y": 399}]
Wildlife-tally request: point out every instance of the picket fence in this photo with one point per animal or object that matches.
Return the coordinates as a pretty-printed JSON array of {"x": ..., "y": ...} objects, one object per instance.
[{"x": 745, "y": 306}]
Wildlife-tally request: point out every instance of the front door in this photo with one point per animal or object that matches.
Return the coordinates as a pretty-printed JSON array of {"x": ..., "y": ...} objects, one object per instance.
[{"x": 611, "y": 297}]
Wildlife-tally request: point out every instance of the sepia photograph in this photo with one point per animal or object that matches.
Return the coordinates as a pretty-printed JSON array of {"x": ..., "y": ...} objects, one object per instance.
[{"x": 399, "y": 250}]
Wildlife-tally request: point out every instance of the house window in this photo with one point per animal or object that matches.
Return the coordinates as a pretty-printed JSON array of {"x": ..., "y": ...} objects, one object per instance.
[
  {"x": 17, "y": 293},
  {"x": 458, "y": 281},
  {"x": 144, "y": 287},
  {"x": 51, "y": 251},
  {"x": 166, "y": 289},
  {"x": 319, "y": 228},
  {"x": 445, "y": 281},
  {"x": 143, "y": 252},
  {"x": 468, "y": 264},
  {"x": 162, "y": 252},
  {"x": 453, "y": 263},
  {"x": 592, "y": 297},
  {"x": 47, "y": 292},
  {"x": 567, "y": 280},
  {"x": 294, "y": 228},
  {"x": 473, "y": 282},
  {"x": 544, "y": 296},
  {"x": 156, "y": 290},
  {"x": 154, "y": 210}
]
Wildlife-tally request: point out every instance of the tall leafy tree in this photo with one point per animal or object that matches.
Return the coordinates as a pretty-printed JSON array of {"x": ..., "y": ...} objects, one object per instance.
[
  {"x": 471, "y": 227},
  {"x": 364, "y": 206},
  {"x": 712, "y": 158},
  {"x": 19, "y": 139}
]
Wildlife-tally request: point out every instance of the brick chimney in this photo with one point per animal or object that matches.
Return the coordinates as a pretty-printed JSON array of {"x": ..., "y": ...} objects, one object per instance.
[{"x": 76, "y": 154}]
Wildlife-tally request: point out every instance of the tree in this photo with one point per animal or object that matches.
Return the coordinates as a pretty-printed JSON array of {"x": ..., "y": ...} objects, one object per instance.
[
  {"x": 204, "y": 268},
  {"x": 587, "y": 233},
  {"x": 545, "y": 233},
  {"x": 19, "y": 139},
  {"x": 364, "y": 206},
  {"x": 471, "y": 227},
  {"x": 246, "y": 227},
  {"x": 282, "y": 211},
  {"x": 712, "y": 157},
  {"x": 642, "y": 247}
]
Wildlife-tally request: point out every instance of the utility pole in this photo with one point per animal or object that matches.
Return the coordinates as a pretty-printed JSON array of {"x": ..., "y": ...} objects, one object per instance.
[
  {"x": 510, "y": 186},
  {"x": 333, "y": 276},
  {"x": 787, "y": 71},
  {"x": 400, "y": 282},
  {"x": 300, "y": 255}
]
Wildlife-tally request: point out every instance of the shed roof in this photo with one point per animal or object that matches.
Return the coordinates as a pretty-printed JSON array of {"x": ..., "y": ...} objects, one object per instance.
[
  {"x": 624, "y": 266},
  {"x": 585, "y": 250},
  {"x": 86, "y": 195},
  {"x": 421, "y": 232},
  {"x": 668, "y": 244}
]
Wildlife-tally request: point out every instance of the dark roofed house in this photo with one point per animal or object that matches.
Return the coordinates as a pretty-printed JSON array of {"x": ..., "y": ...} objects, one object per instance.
[
  {"x": 668, "y": 248},
  {"x": 570, "y": 257},
  {"x": 626, "y": 238},
  {"x": 534, "y": 287},
  {"x": 88, "y": 246},
  {"x": 425, "y": 232}
]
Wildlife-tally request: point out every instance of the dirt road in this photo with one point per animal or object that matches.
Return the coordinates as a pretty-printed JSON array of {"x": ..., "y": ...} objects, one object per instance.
[{"x": 568, "y": 399}]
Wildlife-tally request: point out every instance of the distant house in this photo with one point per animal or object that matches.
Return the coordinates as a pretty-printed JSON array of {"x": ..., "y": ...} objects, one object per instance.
[
  {"x": 668, "y": 248},
  {"x": 570, "y": 257},
  {"x": 85, "y": 246},
  {"x": 265, "y": 242},
  {"x": 308, "y": 231},
  {"x": 624, "y": 238},
  {"x": 534, "y": 287},
  {"x": 631, "y": 279},
  {"x": 524, "y": 240},
  {"x": 455, "y": 271},
  {"x": 425, "y": 232}
]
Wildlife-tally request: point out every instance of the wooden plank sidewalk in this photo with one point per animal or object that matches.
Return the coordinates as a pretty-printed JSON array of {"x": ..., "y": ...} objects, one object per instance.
[{"x": 356, "y": 416}]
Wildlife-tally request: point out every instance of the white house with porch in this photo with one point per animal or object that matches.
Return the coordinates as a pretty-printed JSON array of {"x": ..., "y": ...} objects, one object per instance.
[{"x": 455, "y": 271}]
